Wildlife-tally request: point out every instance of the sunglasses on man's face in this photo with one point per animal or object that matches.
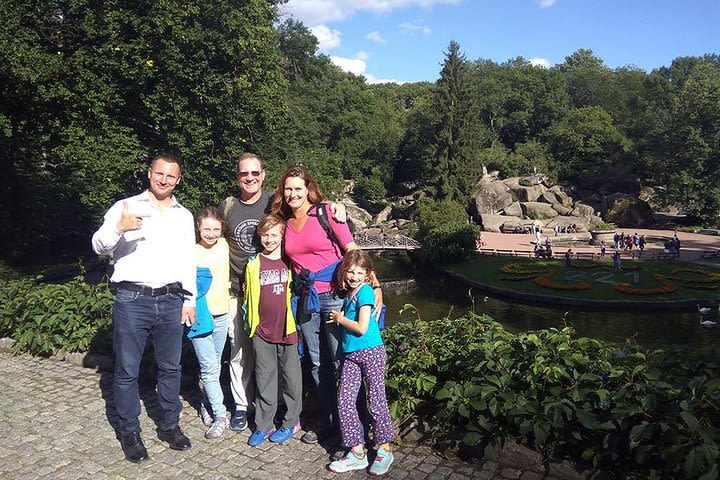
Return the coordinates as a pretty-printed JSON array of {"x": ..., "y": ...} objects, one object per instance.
[{"x": 254, "y": 173}]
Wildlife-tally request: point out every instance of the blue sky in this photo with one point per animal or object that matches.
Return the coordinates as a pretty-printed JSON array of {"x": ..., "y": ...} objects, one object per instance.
[{"x": 405, "y": 40}]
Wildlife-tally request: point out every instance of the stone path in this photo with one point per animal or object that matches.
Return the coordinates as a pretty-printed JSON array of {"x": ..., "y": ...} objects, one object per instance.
[{"x": 54, "y": 424}]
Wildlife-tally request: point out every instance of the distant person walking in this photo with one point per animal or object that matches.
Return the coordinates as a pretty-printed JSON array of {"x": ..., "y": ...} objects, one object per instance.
[{"x": 616, "y": 260}]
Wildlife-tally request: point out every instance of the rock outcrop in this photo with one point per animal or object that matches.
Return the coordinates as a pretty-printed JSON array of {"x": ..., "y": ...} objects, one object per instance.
[
  {"x": 491, "y": 196},
  {"x": 504, "y": 204},
  {"x": 626, "y": 210}
]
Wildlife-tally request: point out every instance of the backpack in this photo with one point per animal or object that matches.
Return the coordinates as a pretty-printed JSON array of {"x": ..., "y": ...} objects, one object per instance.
[{"x": 321, "y": 212}]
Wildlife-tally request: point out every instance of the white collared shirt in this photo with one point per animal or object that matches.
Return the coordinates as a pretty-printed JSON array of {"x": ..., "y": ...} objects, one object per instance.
[{"x": 160, "y": 252}]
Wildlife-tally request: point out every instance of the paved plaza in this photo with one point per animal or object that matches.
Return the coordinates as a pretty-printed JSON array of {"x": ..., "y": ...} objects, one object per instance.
[
  {"x": 55, "y": 422},
  {"x": 692, "y": 244}
]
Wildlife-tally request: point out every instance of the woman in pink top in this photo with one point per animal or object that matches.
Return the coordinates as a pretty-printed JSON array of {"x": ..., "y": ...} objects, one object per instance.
[{"x": 311, "y": 251}]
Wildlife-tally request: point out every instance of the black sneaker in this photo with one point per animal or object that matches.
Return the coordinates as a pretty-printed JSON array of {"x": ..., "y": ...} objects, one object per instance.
[
  {"x": 238, "y": 421},
  {"x": 312, "y": 436},
  {"x": 175, "y": 437},
  {"x": 133, "y": 448}
]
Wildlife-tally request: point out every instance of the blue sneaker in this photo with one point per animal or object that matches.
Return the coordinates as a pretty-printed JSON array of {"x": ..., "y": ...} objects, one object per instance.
[
  {"x": 257, "y": 438},
  {"x": 238, "y": 421},
  {"x": 281, "y": 435}
]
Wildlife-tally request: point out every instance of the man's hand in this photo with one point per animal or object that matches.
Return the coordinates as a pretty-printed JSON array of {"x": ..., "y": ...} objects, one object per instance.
[
  {"x": 378, "y": 301},
  {"x": 339, "y": 212},
  {"x": 334, "y": 317},
  {"x": 128, "y": 221},
  {"x": 187, "y": 317}
]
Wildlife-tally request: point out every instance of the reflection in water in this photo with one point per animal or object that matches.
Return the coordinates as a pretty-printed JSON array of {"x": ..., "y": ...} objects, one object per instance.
[{"x": 437, "y": 296}]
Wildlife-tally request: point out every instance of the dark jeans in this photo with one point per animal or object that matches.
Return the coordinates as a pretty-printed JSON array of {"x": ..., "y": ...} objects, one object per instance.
[{"x": 135, "y": 317}]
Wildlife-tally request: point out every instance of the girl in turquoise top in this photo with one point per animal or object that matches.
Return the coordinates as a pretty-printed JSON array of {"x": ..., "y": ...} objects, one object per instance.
[{"x": 364, "y": 359}]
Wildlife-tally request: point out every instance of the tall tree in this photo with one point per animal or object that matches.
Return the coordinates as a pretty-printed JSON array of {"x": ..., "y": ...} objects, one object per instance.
[
  {"x": 458, "y": 133},
  {"x": 90, "y": 90}
]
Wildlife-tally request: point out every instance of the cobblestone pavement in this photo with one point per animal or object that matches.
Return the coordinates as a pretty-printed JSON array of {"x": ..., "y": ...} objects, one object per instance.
[{"x": 55, "y": 422}]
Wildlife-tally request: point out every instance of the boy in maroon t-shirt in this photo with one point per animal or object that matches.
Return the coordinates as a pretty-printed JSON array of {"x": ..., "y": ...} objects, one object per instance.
[{"x": 271, "y": 326}]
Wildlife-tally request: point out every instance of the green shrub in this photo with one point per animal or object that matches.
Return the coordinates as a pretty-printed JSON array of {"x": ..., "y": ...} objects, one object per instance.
[
  {"x": 651, "y": 413},
  {"x": 372, "y": 189},
  {"x": 44, "y": 319},
  {"x": 450, "y": 244}
]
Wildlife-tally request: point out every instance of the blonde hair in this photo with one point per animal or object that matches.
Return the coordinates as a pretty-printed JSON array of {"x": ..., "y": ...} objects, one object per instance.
[
  {"x": 269, "y": 221},
  {"x": 354, "y": 258}
]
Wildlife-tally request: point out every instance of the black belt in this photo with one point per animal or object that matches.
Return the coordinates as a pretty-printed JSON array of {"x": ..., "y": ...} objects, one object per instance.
[{"x": 149, "y": 291}]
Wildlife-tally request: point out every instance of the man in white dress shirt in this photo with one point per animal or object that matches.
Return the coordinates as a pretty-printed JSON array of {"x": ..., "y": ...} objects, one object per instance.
[{"x": 151, "y": 238}]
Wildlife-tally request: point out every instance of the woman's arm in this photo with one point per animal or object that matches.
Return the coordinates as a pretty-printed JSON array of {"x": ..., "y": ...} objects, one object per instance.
[{"x": 360, "y": 326}]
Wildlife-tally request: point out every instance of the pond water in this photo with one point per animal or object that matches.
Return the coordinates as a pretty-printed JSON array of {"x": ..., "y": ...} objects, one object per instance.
[{"x": 436, "y": 295}]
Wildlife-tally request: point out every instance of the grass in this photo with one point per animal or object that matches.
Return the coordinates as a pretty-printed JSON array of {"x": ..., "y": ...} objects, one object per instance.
[{"x": 486, "y": 269}]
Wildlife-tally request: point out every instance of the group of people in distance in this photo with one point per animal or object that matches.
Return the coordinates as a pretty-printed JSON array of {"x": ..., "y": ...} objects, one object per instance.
[
  {"x": 629, "y": 242},
  {"x": 277, "y": 276}
]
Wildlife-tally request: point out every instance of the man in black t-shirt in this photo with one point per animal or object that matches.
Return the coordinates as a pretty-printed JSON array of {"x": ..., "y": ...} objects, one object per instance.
[{"x": 242, "y": 215}]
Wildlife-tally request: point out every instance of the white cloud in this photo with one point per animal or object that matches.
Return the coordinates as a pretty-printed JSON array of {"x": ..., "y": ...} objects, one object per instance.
[
  {"x": 407, "y": 27},
  {"x": 546, "y": 3},
  {"x": 540, "y": 62},
  {"x": 358, "y": 66},
  {"x": 316, "y": 12},
  {"x": 375, "y": 37},
  {"x": 352, "y": 65},
  {"x": 327, "y": 38},
  {"x": 373, "y": 79}
]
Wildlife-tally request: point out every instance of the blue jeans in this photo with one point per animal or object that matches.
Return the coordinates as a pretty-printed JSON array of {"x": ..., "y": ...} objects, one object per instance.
[
  {"x": 135, "y": 317},
  {"x": 209, "y": 349},
  {"x": 324, "y": 347}
]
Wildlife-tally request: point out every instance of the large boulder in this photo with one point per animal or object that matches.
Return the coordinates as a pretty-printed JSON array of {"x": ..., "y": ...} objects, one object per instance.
[
  {"x": 561, "y": 209},
  {"x": 384, "y": 215},
  {"x": 491, "y": 196},
  {"x": 356, "y": 214},
  {"x": 583, "y": 210},
  {"x": 628, "y": 211},
  {"x": 549, "y": 197},
  {"x": 563, "y": 197},
  {"x": 524, "y": 193},
  {"x": 514, "y": 210},
  {"x": 580, "y": 223},
  {"x": 538, "y": 210},
  {"x": 492, "y": 223}
]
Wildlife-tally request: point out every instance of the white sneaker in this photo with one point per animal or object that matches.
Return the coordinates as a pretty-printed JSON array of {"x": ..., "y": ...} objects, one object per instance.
[
  {"x": 205, "y": 416},
  {"x": 217, "y": 428}
]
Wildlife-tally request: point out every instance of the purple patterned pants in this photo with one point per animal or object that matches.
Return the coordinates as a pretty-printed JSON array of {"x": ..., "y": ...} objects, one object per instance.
[{"x": 367, "y": 364}]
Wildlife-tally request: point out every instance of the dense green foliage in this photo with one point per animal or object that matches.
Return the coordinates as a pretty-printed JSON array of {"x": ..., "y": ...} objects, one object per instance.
[
  {"x": 654, "y": 413},
  {"x": 445, "y": 234},
  {"x": 45, "y": 319},
  {"x": 90, "y": 91}
]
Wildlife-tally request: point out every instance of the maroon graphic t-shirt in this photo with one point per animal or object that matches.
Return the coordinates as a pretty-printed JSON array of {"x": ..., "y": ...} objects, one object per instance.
[{"x": 273, "y": 297}]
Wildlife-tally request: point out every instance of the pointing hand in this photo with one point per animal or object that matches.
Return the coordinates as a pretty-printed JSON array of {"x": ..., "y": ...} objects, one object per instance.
[{"x": 128, "y": 221}]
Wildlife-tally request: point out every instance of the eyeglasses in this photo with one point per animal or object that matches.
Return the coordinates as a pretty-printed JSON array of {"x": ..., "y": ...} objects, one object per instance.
[{"x": 254, "y": 173}]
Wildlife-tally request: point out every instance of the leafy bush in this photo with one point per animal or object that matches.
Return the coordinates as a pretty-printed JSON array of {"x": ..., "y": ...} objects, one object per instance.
[
  {"x": 44, "y": 319},
  {"x": 450, "y": 244},
  {"x": 372, "y": 189},
  {"x": 652, "y": 413},
  {"x": 444, "y": 231}
]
